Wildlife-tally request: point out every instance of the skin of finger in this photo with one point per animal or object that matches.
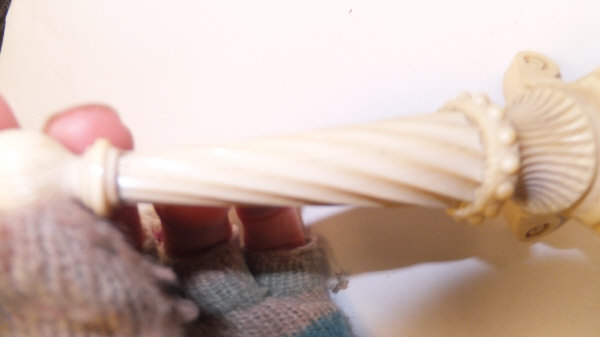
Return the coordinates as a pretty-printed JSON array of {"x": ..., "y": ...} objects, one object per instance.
[
  {"x": 271, "y": 227},
  {"x": 7, "y": 118},
  {"x": 189, "y": 230},
  {"x": 77, "y": 128},
  {"x": 185, "y": 229}
]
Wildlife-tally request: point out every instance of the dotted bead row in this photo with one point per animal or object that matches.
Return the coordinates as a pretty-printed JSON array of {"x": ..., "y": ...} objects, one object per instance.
[{"x": 502, "y": 162}]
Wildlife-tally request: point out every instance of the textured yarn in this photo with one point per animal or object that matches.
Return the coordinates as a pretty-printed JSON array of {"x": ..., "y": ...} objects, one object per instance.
[
  {"x": 266, "y": 293},
  {"x": 63, "y": 272},
  {"x": 4, "y": 4}
]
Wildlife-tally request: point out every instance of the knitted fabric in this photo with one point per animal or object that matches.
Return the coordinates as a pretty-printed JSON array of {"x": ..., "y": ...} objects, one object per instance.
[
  {"x": 64, "y": 272},
  {"x": 269, "y": 293},
  {"x": 4, "y": 4}
]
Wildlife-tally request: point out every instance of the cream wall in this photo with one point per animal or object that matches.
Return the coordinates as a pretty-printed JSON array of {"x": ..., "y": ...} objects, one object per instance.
[{"x": 213, "y": 71}]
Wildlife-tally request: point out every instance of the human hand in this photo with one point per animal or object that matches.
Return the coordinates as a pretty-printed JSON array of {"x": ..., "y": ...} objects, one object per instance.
[{"x": 187, "y": 230}]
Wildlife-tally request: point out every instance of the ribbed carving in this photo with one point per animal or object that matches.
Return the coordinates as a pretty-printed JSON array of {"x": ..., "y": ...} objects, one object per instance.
[
  {"x": 434, "y": 161},
  {"x": 557, "y": 147}
]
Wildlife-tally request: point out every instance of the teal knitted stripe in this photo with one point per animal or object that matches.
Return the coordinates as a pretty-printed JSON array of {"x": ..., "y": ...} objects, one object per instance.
[{"x": 332, "y": 325}]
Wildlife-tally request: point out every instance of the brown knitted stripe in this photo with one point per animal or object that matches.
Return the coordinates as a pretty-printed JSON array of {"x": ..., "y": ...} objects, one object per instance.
[
  {"x": 65, "y": 273},
  {"x": 88, "y": 284},
  {"x": 289, "y": 272},
  {"x": 273, "y": 317}
]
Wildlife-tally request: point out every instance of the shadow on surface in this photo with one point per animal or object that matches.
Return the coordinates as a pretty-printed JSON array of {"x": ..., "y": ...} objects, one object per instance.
[
  {"x": 365, "y": 240},
  {"x": 416, "y": 272}
]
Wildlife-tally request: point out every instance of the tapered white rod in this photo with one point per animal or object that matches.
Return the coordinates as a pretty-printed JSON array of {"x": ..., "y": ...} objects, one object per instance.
[
  {"x": 441, "y": 160},
  {"x": 470, "y": 157},
  {"x": 427, "y": 161},
  {"x": 437, "y": 161}
]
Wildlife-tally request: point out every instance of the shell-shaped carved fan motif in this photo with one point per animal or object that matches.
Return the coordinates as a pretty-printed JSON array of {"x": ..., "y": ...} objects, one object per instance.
[{"x": 557, "y": 149}]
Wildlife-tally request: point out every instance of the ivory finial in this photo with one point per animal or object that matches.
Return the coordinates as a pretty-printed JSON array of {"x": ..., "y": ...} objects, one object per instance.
[
  {"x": 36, "y": 167},
  {"x": 537, "y": 157}
]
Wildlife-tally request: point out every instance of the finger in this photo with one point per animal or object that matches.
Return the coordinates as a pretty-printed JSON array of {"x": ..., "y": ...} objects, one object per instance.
[
  {"x": 189, "y": 230},
  {"x": 271, "y": 227},
  {"x": 127, "y": 220},
  {"x": 7, "y": 118},
  {"x": 77, "y": 128}
]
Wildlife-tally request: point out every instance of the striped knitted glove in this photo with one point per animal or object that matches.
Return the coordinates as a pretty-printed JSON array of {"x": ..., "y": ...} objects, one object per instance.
[
  {"x": 64, "y": 272},
  {"x": 267, "y": 293}
]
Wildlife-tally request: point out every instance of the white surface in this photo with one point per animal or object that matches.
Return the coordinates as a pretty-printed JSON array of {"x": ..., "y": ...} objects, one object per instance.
[{"x": 213, "y": 71}]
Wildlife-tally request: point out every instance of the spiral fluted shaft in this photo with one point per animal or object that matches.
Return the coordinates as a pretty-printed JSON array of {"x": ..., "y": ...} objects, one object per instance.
[
  {"x": 435, "y": 160},
  {"x": 536, "y": 158}
]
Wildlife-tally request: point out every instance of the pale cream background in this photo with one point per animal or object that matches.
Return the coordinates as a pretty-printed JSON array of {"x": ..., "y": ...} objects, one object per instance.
[{"x": 211, "y": 71}]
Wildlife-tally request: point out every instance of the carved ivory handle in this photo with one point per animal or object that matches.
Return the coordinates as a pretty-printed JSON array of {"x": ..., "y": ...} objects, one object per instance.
[{"x": 537, "y": 157}]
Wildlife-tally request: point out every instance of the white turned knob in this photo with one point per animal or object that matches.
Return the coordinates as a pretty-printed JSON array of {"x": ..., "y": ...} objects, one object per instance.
[
  {"x": 94, "y": 177},
  {"x": 35, "y": 167}
]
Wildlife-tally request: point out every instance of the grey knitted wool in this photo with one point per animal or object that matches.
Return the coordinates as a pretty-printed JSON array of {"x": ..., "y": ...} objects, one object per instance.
[{"x": 64, "y": 272}]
